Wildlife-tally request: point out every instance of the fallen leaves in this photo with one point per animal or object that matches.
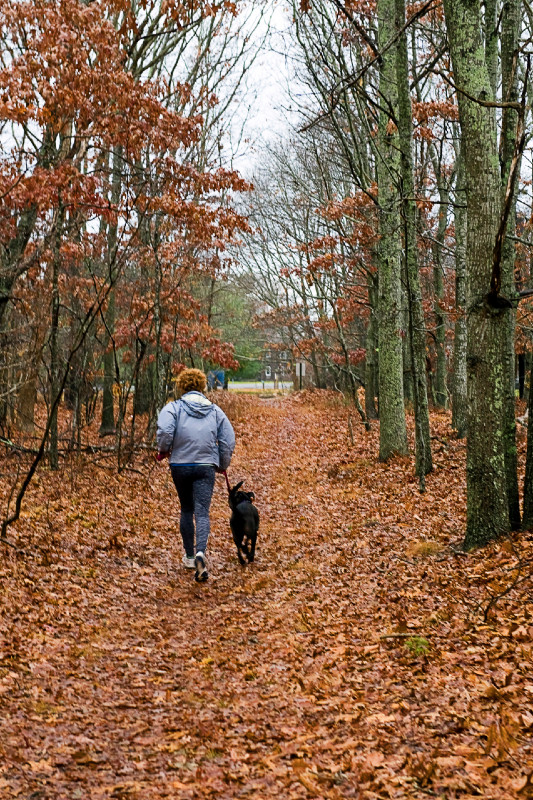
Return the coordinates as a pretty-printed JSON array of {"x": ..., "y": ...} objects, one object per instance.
[{"x": 289, "y": 679}]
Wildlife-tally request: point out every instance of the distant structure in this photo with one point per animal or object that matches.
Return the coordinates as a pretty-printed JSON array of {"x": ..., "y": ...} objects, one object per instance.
[
  {"x": 277, "y": 365},
  {"x": 302, "y": 376}
]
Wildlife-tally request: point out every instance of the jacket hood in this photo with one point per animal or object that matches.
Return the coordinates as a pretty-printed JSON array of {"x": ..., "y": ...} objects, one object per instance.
[{"x": 196, "y": 404}]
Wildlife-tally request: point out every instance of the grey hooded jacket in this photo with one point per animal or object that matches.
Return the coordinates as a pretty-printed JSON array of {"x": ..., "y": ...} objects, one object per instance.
[{"x": 195, "y": 431}]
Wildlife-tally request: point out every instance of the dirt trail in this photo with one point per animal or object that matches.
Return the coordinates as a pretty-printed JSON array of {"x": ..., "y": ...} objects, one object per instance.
[{"x": 120, "y": 677}]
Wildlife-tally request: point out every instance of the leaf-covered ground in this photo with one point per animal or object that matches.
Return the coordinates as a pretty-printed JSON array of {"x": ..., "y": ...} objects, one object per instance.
[{"x": 363, "y": 655}]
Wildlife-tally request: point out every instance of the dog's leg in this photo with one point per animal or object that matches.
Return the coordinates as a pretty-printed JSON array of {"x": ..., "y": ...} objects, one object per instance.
[
  {"x": 238, "y": 543},
  {"x": 246, "y": 547},
  {"x": 239, "y": 553},
  {"x": 252, "y": 549}
]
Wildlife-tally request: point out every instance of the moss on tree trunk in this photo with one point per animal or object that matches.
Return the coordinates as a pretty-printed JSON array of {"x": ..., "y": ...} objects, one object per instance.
[
  {"x": 393, "y": 435},
  {"x": 487, "y": 502},
  {"x": 416, "y": 322}
]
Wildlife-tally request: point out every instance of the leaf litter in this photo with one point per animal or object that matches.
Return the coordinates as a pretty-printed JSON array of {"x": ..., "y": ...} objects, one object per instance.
[{"x": 363, "y": 654}]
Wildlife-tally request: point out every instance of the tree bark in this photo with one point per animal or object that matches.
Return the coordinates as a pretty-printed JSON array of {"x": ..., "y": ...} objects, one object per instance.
[
  {"x": 11, "y": 257},
  {"x": 459, "y": 393},
  {"x": 487, "y": 500},
  {"x": 417, "y": 325},
  {"x": 441, "y": 394},
  {"x": 107, "y": 426},
  {"x": 527, "y": 516},
  {"x": 510, "y": 37},
  {"x": 371, "y": 368},
  {"x": 490, "y": 32},
  {"x": 55, "y": 377},
  {"x": 25, "y": 406},
  {"x": 393, "y": 434}
]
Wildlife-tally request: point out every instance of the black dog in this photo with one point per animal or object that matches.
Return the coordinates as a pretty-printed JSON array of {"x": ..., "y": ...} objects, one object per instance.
[{"x": 244, "y": 522}]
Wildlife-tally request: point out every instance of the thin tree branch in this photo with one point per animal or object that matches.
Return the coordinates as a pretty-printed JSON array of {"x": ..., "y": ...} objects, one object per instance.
[
  {"x": 377, "y": 58},
  {"x": 496, "y": 277}
]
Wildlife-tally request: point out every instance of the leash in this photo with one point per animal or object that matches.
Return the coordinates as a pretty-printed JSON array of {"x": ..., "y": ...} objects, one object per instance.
[{"x": 227, "y": 481}]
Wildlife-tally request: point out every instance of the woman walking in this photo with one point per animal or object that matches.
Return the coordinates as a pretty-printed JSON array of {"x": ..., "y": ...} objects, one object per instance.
[{"x": 199, "y": 440}]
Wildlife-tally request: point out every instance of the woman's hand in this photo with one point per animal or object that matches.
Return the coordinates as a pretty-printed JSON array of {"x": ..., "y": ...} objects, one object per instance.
[{"x": 161, "y": 456}]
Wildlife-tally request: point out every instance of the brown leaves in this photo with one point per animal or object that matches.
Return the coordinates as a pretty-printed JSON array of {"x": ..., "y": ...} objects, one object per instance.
[{"x": 289, "y": 679}]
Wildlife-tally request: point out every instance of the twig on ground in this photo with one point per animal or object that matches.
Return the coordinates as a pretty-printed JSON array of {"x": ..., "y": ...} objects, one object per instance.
[
  {"x": 17, "y": 549},
  {"x": 18, "y": 447}
]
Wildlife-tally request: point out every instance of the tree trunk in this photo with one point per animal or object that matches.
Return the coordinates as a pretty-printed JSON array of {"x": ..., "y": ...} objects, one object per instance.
[
  {"x": 459, "y": 394},
  {"x": 521, "y": 374},
  {"x": 441, "y": 394},
  {"x": 490, "y": 33},
  {"x": 144, "y": 389},
  {"x": 417, "y": 325},
  {"x": 25, "y": 407},
  {"x": 54, "y": 339},
  {"x": 393, "y": 434},
  {"x": 527, "y": 516},
  {"x": 408, "y": 378},
  {"x": 487, "y": 502},
  {"x": 11, "y": 254},
  {"x": 510, "y": 37},
  {"x": 107, "y": 426},
  {"x": 371, "y": 371},
  {"x": 160, "y": 384},
  {"x": 12, "y": 267}
]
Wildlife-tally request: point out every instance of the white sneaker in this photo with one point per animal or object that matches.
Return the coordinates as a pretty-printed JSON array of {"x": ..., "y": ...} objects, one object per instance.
[
  {"x": 201, "y": 573},
  {"x": 188, "y": 562}
]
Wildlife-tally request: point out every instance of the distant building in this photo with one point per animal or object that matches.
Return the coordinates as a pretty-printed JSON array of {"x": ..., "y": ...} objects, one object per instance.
[{"x": 277, "y": 365}]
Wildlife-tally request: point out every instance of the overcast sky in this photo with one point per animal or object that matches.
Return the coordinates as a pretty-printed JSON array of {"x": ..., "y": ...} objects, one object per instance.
[{"x": 267, "y": 120}]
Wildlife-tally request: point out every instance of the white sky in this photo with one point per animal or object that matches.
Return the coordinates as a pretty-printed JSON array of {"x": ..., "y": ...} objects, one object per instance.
[{"x": 266, "y": 92}]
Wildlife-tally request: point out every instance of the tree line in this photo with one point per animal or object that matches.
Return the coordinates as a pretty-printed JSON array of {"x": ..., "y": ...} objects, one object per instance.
[
  {"x": 117, "y": 204},
  {"x": 116, "y": 198},
  {"x": 394, "y": 225}
]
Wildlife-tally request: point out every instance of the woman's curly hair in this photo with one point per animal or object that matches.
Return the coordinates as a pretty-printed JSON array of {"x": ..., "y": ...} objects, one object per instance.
[{"x": 190, "y": 380}]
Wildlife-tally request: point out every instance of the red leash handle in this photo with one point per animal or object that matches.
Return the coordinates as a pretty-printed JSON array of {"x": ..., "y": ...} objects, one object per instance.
[{"x": 227, "y": 481}]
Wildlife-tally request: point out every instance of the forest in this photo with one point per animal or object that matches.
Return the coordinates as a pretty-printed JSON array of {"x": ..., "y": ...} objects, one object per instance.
[{"x": 374, "y": 251}]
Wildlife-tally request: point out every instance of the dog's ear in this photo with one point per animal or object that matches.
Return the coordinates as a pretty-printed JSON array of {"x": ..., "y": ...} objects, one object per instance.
[{"x": 237, "y": 487}]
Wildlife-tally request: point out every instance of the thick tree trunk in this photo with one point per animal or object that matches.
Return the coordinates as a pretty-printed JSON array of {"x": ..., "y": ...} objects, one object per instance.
[
  {"x": 487, "y": 501},
  {"x": 393, "y": 434},
  {"x": 144, "y": 390},
  {"x": 490, "y": 33},
  {"x": 417, "y": 325}
]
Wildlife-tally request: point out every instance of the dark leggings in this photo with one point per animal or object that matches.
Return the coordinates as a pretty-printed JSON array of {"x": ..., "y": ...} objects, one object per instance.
[{"x": 194, "y": 485}]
